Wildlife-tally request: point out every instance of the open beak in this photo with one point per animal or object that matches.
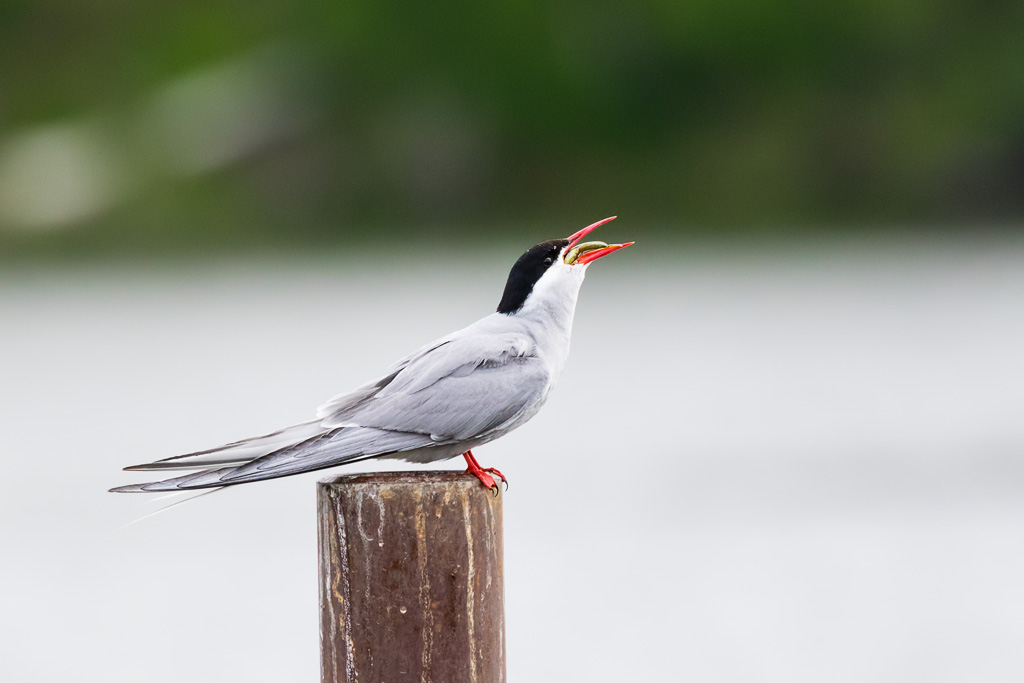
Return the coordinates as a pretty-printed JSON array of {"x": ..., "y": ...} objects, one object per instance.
[{"x": 582, "y": 254}]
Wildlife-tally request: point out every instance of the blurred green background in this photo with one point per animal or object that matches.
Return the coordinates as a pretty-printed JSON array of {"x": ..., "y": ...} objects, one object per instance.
[
  {"x": 788, "y": 443},
  {"x": 153, "y": 127}
]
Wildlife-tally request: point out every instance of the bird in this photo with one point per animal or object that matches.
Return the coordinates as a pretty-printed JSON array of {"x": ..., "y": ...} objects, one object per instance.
[{"x": 443, "y": 400}]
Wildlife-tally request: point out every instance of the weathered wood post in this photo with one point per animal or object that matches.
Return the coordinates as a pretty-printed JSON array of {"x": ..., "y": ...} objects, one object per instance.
[{"x": 411, "y": 585}]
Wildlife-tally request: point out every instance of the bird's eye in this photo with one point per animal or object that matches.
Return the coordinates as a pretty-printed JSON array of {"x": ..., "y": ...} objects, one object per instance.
[{"x": 548, "y": 261}]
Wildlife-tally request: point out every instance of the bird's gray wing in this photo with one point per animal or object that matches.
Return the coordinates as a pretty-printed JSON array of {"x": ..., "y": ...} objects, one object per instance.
[
  {"x": 463, "y": 387},
  {"x": 460, "y": 389},
  {"x": 351, "y": 399}
]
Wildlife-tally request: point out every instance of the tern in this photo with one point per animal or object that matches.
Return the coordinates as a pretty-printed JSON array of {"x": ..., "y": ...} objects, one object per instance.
[{"x": 445, "y": 399}]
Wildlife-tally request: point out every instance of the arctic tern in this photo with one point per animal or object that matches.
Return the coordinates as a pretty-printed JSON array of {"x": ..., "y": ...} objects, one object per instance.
[{"x": 449, "y": 397}]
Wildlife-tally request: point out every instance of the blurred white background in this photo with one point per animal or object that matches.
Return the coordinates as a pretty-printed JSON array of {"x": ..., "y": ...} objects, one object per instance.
[{"x": 784, "y": 465}]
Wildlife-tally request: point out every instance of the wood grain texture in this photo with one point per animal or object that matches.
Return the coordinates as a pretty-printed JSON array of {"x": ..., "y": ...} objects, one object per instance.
[{"x": 411, "y": 584}]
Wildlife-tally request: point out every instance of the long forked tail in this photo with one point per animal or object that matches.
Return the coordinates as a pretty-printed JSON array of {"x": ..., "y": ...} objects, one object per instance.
[
  {"x": 236, "y": 452},
  {"x": 302, "y": 448}
]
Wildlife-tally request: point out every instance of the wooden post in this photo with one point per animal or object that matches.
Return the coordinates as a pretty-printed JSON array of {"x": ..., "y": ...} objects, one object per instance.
[{"x": 411, "y": 585}]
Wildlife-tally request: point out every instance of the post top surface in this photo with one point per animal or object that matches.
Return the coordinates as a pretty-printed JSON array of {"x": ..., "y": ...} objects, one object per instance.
[{"x": 417, "y": 477}]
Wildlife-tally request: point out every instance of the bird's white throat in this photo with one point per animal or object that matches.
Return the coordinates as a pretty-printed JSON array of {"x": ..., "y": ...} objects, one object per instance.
[{"x": 550, "y": 309}]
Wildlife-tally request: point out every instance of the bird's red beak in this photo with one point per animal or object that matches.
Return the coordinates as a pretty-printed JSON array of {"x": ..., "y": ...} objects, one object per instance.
[{"x": 594, "y": 255}]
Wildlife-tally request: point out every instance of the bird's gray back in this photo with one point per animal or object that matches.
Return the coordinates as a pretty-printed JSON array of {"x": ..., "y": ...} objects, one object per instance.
[{"x": 479, "y": 382}]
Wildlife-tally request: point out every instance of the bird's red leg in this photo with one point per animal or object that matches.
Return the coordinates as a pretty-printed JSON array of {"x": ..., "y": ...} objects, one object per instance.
[{"x": 481, "y": 473}]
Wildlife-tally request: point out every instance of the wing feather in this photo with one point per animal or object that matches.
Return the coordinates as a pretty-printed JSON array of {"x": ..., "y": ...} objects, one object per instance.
[
  {"x": 459, "y": 389},
  {"x": 454, "y": 391}
]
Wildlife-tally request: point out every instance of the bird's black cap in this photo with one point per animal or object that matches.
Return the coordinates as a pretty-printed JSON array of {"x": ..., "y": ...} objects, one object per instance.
[{"x": 525, "y": 273}]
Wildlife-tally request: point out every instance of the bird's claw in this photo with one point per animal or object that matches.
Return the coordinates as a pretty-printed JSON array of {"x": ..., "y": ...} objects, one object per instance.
[{"x": 494, "y": 470}]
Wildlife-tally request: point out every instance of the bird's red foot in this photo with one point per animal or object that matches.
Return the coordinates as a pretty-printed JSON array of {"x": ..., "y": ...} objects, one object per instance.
[
  {"x": 481, "y": 473},
  {"x": 485, "y": 479},
  {"x": 494, "y": 470}
]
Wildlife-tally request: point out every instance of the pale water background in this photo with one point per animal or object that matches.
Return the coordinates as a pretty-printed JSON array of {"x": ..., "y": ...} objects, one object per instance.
[{"x": 780, "y": 465}]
